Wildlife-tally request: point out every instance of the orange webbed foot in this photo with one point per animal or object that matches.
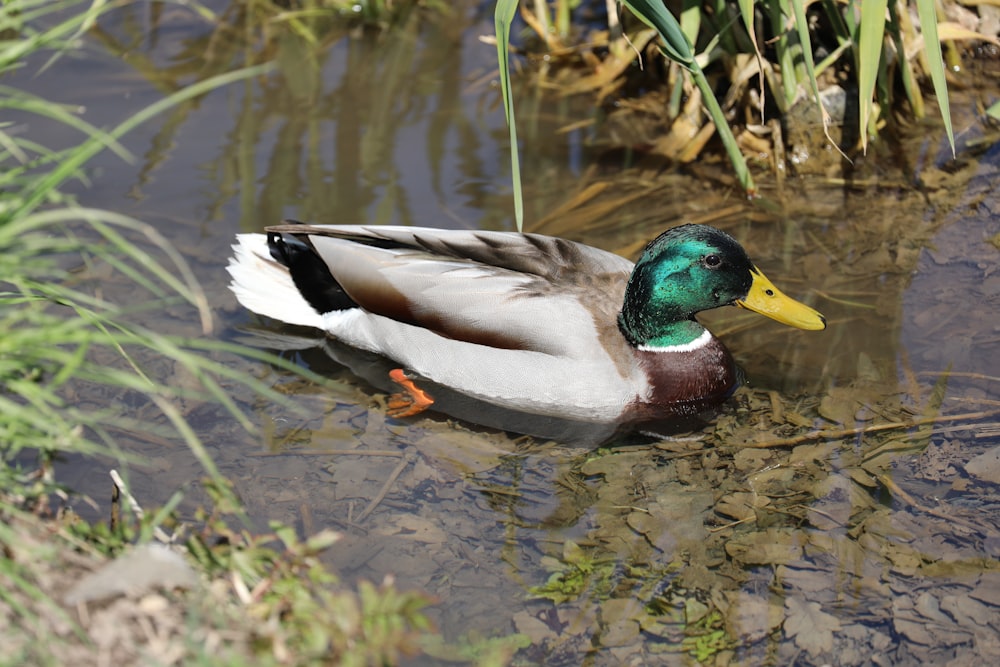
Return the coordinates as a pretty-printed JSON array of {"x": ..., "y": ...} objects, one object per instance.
[{"x": 409, "y": 402}]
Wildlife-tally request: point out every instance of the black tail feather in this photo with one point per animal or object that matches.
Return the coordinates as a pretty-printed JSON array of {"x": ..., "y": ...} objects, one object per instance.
[{"x": 311, "y": 275}]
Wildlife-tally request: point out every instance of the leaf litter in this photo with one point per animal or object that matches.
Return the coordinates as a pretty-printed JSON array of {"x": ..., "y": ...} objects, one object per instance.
[{"x": 845, "y": 525}]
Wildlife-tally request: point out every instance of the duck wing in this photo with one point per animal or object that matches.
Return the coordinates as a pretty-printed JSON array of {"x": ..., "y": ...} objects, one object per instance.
[{"x": 499, "y": 289}]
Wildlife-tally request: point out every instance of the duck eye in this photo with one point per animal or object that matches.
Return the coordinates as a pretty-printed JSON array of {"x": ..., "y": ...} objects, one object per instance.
[{"x": 712, "y": 261}]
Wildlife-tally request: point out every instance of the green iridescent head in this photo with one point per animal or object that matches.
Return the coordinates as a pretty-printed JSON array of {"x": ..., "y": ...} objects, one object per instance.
[{"x": 692, "y": 268}]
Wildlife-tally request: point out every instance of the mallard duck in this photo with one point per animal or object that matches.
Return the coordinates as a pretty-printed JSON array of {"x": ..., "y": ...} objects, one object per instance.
[{"x": 530, "y": 323}]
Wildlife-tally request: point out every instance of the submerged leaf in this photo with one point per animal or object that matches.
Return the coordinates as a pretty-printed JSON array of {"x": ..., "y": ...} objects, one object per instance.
[
  {"x": 986, "y": 466},
  {"x": 770, "y": 547},
  {"x": 620, "y": 618},
  {"x": 839, "y": 405},
  {"x": 810, "y": 627},
  {"x": 741, "y": 506},
  {"x": 753, "y": 617}
]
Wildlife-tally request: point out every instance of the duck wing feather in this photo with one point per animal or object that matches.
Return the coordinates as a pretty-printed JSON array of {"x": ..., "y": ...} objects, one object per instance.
[{"x": 499, "y": 289}]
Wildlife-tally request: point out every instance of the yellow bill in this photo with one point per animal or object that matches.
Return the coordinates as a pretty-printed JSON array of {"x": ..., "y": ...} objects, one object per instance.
[{"x": 766, "y": 299}]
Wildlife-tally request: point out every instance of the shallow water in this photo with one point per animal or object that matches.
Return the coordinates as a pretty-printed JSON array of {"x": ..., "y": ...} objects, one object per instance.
[{"x": 748, "y": 540}]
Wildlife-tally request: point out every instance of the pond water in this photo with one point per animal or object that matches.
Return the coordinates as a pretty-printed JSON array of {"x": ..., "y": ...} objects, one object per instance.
[{"x": 842, "y": 507}]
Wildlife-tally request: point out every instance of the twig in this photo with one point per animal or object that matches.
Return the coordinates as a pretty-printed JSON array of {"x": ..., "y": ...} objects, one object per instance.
[
  {"x": 777, "y": 408},
  {"x": 308, "y": 527},
  {"x": 829, "y": 516},
  {"x": 960, "y": 374},
  {"x": 144, "y": 436},
  {"x": 731, "y": 524},
  {"x": 499, "y": 490},
  {"x": 410, "y": 455},
  {"x": 975, "y": 401},
  {"x": 123, "y": 489},
  {"x": 845, "y": 302},
  {"x": 947, "y": 516},
  {"x": 833, "y": 434},
  {"x": 329, "y": 452},
  {"x": 989, "y": 427},
  {"x": 348, "y": 523},
  {"x": 158, "y": 532}
]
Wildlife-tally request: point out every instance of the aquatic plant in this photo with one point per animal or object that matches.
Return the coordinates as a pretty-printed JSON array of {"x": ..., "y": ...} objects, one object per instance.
[{"x": 789, "y": 48}]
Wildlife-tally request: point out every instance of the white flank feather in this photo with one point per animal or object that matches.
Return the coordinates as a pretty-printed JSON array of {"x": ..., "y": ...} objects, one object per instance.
[{"x": 264, "y": 286}]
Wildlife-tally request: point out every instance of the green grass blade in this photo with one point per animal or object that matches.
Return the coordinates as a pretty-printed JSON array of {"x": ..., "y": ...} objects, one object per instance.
[
  {"x": 503, "y": 17},
  {"x": 785, "y": 53},
  {"x": 96, "y": 144},
  {"x": 656, "y": 16},
  {"x": 679, "y": 49},
  {"x": 994, "y": 111},
  {"x": 691, "y": 20},
  {"x": 872, "y": 34},
  {"x": 900, "y": 25},
  {"x": 802, "y": 28},
  {"x": 725, "y": 132},
  {"x": 177, "y": 277},
  {"x": 935, "y": 63},
  {"x": 17, "y": 15},
  {"x": 23, "y": 101},
  {"x": 747, "y": 13}
]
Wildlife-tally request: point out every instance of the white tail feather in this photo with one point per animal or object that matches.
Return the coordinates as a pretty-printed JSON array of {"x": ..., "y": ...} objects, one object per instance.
[{"x": 264, "y": 286}]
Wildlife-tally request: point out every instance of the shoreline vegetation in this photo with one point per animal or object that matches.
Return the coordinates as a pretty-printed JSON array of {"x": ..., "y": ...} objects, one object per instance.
[
  {"x": 755, "y": 75},
  {"x": 216, "y": 591},
  {"x": 141, "y": 588}
]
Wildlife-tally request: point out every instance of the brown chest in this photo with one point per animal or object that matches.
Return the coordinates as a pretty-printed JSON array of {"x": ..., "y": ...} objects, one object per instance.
[{"x": 686, "y": 382}]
